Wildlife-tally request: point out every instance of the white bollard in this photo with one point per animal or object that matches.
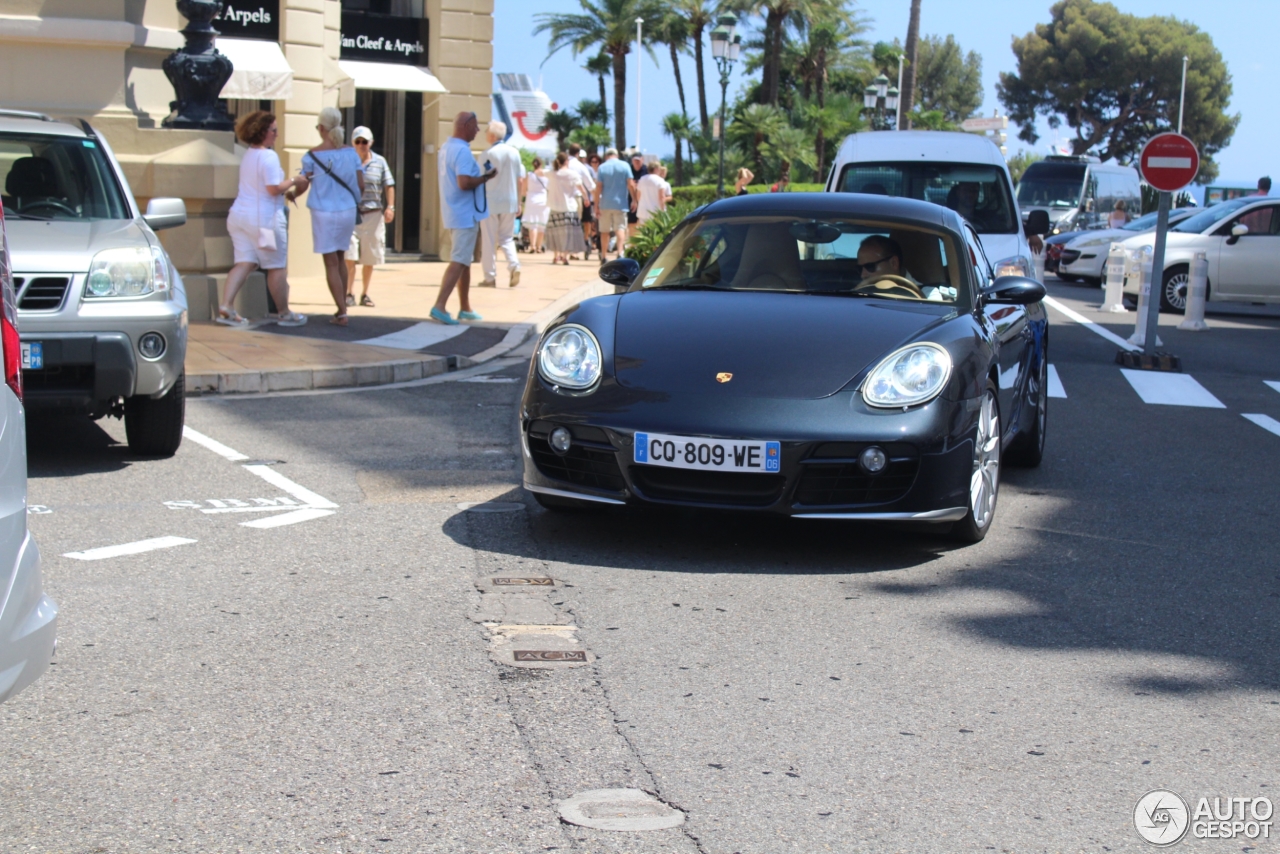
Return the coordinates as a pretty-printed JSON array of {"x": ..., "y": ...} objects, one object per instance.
[
  {"x": 1114, "y": 300},
  {"x": 1037, "y": 265},
  {"x": 1139, "y": 336},
  {"x": 1197, "y": 292}
]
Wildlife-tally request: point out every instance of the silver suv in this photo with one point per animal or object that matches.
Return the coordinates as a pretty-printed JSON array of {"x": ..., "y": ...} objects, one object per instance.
[{"x": 102, "y": 310}]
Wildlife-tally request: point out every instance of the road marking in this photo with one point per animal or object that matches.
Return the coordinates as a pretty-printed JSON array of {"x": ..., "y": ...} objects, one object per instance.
[
  {"x": 213, "y": 445},
  {"x": 304, "y": 515},
  {"x": 1266, "y": 422},
  {"x": 1091, "y": 326},
  {"x": 1055, "y": 384},
  {"x": 129, "y": 548},
  {"x": 416, "y": 337},
  {"x": 301, "y": 493},
  {"x": 1274, "y": 385},
  {"x": 1170, "y": 389}
]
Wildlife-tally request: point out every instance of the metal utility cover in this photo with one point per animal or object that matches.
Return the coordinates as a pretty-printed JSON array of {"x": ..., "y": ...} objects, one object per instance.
[
  {"x": 619, "y": 809},
  {"x": 549, "y": 655},
  {"x": 534, "y": 581}
]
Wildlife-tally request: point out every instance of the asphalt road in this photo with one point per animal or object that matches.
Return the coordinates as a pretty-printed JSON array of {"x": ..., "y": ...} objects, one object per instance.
[{"x": 333, "y": 685}]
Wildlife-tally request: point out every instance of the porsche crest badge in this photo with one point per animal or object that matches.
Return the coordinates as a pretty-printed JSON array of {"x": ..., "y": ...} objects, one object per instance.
[{"x": 723, "y": 377}]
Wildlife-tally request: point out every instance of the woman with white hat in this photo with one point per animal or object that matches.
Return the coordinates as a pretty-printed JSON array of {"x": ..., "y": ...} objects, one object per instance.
[{"x": 369, "y": 243}]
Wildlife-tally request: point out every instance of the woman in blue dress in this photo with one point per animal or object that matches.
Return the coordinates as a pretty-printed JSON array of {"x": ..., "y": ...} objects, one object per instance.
[{"x": 336, "y": 177}]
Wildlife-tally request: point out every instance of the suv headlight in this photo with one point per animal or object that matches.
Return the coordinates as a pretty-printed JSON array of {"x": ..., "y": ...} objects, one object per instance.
[
  {"x": 127, "y": 272},
  {"x": 1018, "y": 265},
  {"x": 570, "y": 357},
  {"x": 914, "y": 374}
]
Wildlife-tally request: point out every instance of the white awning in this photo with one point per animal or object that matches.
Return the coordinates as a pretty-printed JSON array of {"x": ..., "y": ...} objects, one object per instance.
[
  {"x": 261, "y": 71},
  {"x": 337, "y": 80},
  {"x": 395, "y": 78}
]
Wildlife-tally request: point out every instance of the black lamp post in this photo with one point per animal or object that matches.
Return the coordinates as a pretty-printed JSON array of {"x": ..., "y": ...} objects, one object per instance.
[
  {"x": 882, "y": 98},
  {"x": 725, "y": 47},
  {"x": 198, "y": 72}
]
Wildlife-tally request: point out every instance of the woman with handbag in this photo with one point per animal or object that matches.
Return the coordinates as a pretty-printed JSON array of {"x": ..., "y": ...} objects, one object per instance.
[
  {"x": 256, "y": 221},
  {"x": 336, "y": 176}
]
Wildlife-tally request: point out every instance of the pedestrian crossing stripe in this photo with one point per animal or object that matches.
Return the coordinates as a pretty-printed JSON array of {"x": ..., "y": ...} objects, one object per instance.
[
  {"x": 1275, "y": 385},
  {"x": 1266, "y": 422},
  {"x": 1055, "y": 384},
  {"x": 1170, "y": 389}
]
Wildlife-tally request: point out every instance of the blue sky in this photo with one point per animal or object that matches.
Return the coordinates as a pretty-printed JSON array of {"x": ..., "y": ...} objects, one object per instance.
[{"x": 1239, "y": 29}]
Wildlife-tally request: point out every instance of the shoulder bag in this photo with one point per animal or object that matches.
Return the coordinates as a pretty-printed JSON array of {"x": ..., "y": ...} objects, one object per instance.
[{"x": 331, "y": 174}]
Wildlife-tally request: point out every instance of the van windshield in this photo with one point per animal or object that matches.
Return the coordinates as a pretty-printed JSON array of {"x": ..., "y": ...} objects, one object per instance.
[
  {"x": 57, "y": 178},
  {"x": 978, "y": 193},
  {"x": 1052, "y": 185}
]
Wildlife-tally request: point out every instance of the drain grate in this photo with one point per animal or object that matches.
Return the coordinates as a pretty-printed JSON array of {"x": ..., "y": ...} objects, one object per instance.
[{"x": 549, "y": 655}]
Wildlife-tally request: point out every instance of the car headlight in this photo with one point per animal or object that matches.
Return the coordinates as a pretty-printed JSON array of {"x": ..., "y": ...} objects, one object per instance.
[
  {"x": 570, "y": 357},
  {"x": 1018, "y": 265},
  {"x": 914, "y": 374},
  {"x": 127, "y": 272}
]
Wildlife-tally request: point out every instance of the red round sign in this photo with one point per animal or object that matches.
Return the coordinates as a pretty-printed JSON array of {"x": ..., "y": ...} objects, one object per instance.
[{"x": 1169, "y": 162}]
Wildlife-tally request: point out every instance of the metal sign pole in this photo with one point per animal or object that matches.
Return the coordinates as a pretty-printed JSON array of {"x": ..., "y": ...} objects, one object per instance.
[{"x": 1157, "y": 274}]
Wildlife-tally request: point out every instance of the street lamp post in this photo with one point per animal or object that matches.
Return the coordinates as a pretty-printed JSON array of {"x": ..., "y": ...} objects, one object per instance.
[
  {"x": 882, "y": 98},
  {"x": 725, "y": 47},
  {"x": 639, "y": 66}
]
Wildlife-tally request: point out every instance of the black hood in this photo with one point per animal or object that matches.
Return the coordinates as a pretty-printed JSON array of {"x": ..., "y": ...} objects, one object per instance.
[{"x": 775, "y": 345}]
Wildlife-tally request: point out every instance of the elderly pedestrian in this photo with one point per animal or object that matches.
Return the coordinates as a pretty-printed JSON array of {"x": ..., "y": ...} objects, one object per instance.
[
  {"x": 652, "y": 193},
  {"x": 564, "y": 229},
  {"x": 377, "y": 210},
  {"x": 535, "y": 206},
  {"x": 336, "y": 176},
  {"x": 613, "y": 202},
  {"x": 497, "y": 231},
  {"x": 256, "y": 221},
  {"x": 463, "y": 206}
]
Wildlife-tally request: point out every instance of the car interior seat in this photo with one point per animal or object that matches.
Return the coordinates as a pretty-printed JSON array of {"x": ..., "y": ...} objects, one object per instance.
[
  {"x": 770, "y": 259},
  {"x": 920, "y": 256},
  {"x": 31, "y": 178}
]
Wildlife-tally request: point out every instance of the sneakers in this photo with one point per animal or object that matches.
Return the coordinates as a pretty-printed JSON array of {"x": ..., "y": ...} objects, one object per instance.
[
  {"x": 488, "y": 283},
  {"x": 515, "y": 278},
  {"x": 468, "y": 315},
  {"x": 443, "y": 317}
]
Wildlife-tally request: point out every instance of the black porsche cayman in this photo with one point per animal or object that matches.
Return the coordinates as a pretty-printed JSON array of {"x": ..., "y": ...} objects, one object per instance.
[{"x": 826, "y": 356}]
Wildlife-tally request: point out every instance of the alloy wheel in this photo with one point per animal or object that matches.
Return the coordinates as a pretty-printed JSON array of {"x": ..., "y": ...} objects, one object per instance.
[
  {"x": 1175, "y": 291},
  {"x": 985, "y": 480}
]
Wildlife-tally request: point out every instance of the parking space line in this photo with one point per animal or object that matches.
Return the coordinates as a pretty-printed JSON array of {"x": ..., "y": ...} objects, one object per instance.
[
  {"x": 129, "y": 548},
  {"x": 213, "y": 445},
  {"x": 1091, "y": 326},
  {"x": 1274, "y": 385},
  {"x": 1266, "y": 422},
  {"x": 1055, "y": 384},
  {"x": 1170, "y": 389},
  {"x": 304, "y": 515},
  {"x": 301, "y": 493}
]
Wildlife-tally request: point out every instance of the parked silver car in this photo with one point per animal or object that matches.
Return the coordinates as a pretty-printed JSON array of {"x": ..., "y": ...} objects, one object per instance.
[
  {"x": 28, "y": 618},
  {"x": 102, "y": 308}
]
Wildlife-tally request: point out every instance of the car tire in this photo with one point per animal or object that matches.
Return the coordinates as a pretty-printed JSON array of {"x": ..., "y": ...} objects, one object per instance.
[
  {"x": 154, "y": 426},
  {"x": 1173, "y": 293},
  {"x": 1092, "y": 281},
  {"x": 1067, "y": 277},
  {"x": 984, "y": 480},
  {"x": 560, "y": 504},
  {"x": 1028, "y": 450}
]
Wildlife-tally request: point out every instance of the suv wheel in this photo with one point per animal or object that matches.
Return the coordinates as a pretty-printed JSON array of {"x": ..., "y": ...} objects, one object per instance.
[{"x": 154, "y": 427}]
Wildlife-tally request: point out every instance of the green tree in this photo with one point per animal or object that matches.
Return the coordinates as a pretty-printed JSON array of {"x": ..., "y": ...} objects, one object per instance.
[
  {"x": 789, "y": 146},
  {"x": 700, "y": 15},
  {"x": 908, "y": 94},
  {"x": 601, "y": 65},
  {"x": 1019, "y": 162},
  {"x": 563, "y": 123},
  {"x": 751, "y": 126},
  {"x": 777, "y": 15},
  {"x": 591, "y": 137},
  {"x": 608, "y": 26},
  {"x": 1115, "y": 79},
  {"x": 591, "y": 112},
  {"x": 947, "y": 80},
  {"x": 676, "y": 126},
  {"x": 830, "y": 124},
  {"x": 673, "y": 31},
  {"x": 930, "y": 120}
]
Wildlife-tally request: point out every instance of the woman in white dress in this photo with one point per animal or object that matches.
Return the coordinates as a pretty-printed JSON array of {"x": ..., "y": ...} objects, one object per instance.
[
  {"x": 256, "y": 222},
  {"x": 654, "y": 193},
  {"x": 336, "y": 176},
  {"x": 564, "y": 228},
  {"x": 535, "y": 206}
]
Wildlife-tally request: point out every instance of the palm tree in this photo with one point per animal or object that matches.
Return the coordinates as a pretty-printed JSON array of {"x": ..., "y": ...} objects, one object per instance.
[
  {"x": 699, "y": 15},
  {"x": 673, "y": 31},
  {"x": 601, "y": 66},
  {"x": 907, "y": 99},
  {"x": 607, "y": 25},
  {"x": 676, "y": 126},
  {"x": 777, "y": 13},
  {"x": 789, "y": 145},
  {"x": 591, "y": 112},
  {"x": 563, "y": 123},
  {"x": 751, "y": 126},
  {"x": 832, "y": 121},
  {"x": 592, "y": 137}
]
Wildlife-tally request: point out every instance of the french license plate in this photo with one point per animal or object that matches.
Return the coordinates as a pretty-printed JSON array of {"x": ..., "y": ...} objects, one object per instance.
[
  {"x": 690, "y": 452},
  {"x": 32, "y": 356}
]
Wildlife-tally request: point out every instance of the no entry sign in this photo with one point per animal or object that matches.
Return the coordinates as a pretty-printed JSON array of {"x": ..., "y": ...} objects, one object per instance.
[{"x": 1169, "y": 162}]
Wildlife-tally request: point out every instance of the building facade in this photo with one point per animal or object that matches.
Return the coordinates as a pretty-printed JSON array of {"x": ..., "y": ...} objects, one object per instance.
[{"x": 402, "y": 67}]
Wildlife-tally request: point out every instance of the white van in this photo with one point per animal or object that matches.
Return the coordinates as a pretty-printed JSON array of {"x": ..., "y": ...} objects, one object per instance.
[
  {"x": 1078, "y": 192},
  {"x": 962, "y": 171}
]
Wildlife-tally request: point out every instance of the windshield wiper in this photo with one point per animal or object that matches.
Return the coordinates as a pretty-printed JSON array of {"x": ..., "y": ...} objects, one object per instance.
[{"x": 29, "y": 216}]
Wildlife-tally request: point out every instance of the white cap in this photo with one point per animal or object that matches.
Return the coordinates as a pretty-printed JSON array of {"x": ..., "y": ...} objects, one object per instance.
[{"x": 362, "y": 132}]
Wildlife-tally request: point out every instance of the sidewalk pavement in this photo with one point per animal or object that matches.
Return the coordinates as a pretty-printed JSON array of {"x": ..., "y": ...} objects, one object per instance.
[{"x": 393, "y": 342}]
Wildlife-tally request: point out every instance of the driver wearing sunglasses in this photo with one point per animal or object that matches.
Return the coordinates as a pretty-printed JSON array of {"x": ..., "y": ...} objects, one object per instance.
[{"x": 880, "y": 256}]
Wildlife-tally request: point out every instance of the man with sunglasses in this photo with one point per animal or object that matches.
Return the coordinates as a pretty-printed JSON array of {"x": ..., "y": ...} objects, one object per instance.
[
  {"x": 369, "y": 241},
  {"x": 880, "y": 256}
]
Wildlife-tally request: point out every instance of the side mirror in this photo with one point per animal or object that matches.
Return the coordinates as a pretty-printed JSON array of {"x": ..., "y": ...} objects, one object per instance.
[
  {"x": 1014, "y": 290},
  {"x": 1238, "y": 231},
  {"x": 165, "y": 213},
  {"x": 1037, "y": 223},
  {"x": 620, "y": 273}
]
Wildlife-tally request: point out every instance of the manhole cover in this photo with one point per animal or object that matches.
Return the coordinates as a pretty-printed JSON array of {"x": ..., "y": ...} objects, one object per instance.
[
  {"x": 619, "y": 809},
  {"x": 549, "y": 655},
  {"x": 534, "y": 581},
  {"x": 491, "y": 506}
]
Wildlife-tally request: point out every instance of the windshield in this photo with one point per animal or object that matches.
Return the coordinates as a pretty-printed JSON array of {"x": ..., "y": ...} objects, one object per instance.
[
  {"x": 829, "y": 254},
  {"x": 1147, "y": 222},
  {"x": 978, "y": 193},
  {"x": 1208, "y": 216},
  {"x": 1053, "y": 185},
  {"x": 58, "y": 177}
]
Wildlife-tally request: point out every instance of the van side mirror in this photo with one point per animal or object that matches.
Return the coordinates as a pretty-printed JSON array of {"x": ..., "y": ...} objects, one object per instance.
[
  {"x": 165, "y": 213},
  {"x": 1037, "y": 223},
  {"x": 1238, "y": 231}
]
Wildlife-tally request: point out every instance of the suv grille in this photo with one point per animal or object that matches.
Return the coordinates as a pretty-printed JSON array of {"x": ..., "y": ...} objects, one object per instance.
[
  {"x": 832, "y": 476},
  {"x": 44, "y": 293},
  {"x": 591, "y": 460},
  {"x": 739, "y": 489}
]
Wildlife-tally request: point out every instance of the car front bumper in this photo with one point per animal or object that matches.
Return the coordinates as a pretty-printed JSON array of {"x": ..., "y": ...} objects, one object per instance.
[{"x": 1088, "y": 264}]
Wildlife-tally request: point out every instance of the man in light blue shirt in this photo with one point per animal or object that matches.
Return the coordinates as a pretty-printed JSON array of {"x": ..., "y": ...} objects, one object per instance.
[
  {"x": 613, "y": 200},
  {"x": 462, "y": 207}
]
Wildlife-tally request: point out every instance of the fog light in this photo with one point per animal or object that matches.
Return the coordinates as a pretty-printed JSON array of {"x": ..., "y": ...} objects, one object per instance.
[
  {"x": 151, "y": 345},
  {"x": 873, "y": 460},
  {"x": 560, "y": 440}
]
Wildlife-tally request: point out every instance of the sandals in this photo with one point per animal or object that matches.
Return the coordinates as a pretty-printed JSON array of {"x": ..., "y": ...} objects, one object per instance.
[
  {"x": 366, "y": 302},
  {"x": 228, "y": 316},
  {"x": 339, "y": 319},
  {"x": 293, "y": 318}
]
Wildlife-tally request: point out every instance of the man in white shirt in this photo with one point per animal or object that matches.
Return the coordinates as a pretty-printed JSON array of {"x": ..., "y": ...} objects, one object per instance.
[{"x": 504, "y": 195}]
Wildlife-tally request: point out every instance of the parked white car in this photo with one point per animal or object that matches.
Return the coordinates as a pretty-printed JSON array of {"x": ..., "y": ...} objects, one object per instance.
[
  {"x": 28, "y": 618},
  {"x": 1240, "y": 239},
  {"x": 1085, "y": 257}
]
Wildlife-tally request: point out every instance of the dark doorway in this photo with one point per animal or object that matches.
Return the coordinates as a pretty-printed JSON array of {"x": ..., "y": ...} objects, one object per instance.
[{"x": 396, "y": 121}]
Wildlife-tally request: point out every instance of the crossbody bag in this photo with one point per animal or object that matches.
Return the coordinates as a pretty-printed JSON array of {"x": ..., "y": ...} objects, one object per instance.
[{"x": 331, "y": 174}]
